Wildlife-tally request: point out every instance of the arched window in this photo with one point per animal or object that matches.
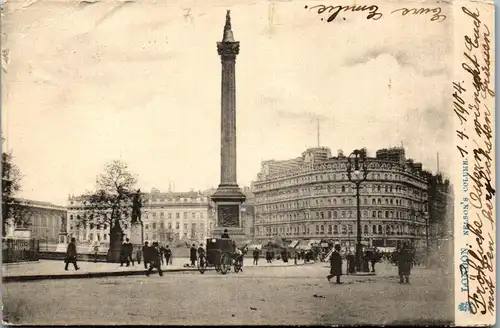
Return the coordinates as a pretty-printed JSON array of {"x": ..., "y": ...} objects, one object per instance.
[
  {"x": 379, "y": 214},
  {"x": 379, "y": 201},
  {"x": 365, "y": 201},
  {"x": 343, "y": 200},
  {"x": 380, "y": 229},
  {"x": 365, "y": 229},
  {"x": 334, "y": 201},
  {"x": 334, "y": 214},
  {"x": 386, "y": 188},
  {"x": 329, "y": 214},
  {"x": 322, "y": 229},
  {"x": 343, "y": 214},
  {"x": 374, "y": 214},
  {"x": 343, "y": 188},
  {"x": 374, "y": 201},
  {"x": 386, "y": 214},
  {"x": 378, "y": 188},
  {"x": 317, "y": 229},
  {"x": 386, "y": 201},
  {"x": 374, "y": 229}
]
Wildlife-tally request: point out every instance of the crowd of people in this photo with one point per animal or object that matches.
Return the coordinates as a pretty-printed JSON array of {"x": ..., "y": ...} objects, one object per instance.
[{"x": 403, "y": 257}]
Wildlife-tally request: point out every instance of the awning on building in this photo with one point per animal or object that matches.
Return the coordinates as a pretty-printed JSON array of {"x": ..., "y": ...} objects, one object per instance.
[
  {"x": 303, "y": 247},
  {"x": 314, "y": 242},
  {"x": 293, "y": 244},
  {"x": 386, "y": 249},
  {"x": 254, "y": 246}
]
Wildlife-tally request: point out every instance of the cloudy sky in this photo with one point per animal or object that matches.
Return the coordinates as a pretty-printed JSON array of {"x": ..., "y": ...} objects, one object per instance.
[{"x": 88, "y": 82}]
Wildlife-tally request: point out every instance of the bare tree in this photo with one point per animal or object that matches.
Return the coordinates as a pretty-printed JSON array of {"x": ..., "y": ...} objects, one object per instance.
[{"x": 114, "y": 204}]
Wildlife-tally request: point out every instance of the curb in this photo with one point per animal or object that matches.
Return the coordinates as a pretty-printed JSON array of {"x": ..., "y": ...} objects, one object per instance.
[
  {"x": 87, "y": 275},
  {"x": 23, "y": 278}
]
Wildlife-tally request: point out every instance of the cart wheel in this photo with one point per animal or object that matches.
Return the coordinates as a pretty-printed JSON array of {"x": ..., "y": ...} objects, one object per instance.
[
  {"x": 202, "y": 264},
  {"x": 225, "y": 263}
]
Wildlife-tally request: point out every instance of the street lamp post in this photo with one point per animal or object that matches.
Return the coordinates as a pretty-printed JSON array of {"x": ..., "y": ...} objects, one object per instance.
[{"x": 357, "y": 172}]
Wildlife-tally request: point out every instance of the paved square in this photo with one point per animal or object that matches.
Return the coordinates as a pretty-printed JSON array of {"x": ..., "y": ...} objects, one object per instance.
[{"x": 273, "y": 295}]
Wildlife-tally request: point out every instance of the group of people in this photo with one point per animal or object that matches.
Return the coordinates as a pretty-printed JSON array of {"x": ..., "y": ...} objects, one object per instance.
[{"x": 404, "y": 258}]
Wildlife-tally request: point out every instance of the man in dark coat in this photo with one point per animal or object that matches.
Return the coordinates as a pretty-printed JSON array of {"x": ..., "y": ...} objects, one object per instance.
[
  {"x": 256, "y": 255},
  {"x": 225, "y": 234},
  {"x": 168, "y": 255},
  {"x": 71, "y": 255},
  {"x": 129, "y": 250},
  {"x": 350, "y": 263},
  {"x": 154, "y": 259},
  {"x": 145, "y": 254},
  {"x": 335, "y": 265},
  {"x": 192, "y": 255},
  {"x": 162, "y": 253},
  {"x": 404, "y": 259}
]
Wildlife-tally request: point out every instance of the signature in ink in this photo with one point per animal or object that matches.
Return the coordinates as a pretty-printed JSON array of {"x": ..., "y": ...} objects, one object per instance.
[
  {"x": 436, "y": 13},
  {"x": 335, "y": 10}
]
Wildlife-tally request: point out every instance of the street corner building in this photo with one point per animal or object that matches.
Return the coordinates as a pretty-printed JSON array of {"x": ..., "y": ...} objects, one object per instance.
[{"x": 311, "y": 197}]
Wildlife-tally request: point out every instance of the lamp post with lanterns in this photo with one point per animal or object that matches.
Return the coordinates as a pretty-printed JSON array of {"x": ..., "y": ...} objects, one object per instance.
[{"x": 357, "y": 172}]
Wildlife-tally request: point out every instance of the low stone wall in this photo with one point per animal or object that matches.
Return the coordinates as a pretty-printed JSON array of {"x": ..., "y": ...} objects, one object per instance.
[{"x": 81, "y": 257}]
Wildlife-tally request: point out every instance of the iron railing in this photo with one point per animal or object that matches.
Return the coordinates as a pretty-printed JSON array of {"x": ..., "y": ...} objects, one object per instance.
[{"x": 20, "y": 250}]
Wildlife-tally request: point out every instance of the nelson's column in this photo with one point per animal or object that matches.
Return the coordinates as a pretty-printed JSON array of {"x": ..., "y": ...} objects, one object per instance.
[{"x": 228, "y": 197}]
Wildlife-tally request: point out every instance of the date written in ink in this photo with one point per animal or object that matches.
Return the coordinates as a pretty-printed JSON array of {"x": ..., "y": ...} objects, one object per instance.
[{"x": 333, "y": 11}]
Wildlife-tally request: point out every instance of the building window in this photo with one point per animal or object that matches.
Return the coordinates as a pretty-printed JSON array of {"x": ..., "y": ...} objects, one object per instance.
[
  {"x": 374, "y": 229},
  {"x": 177, "y": 215},
  {"x": 146, "y": 226},
  {"x": 344, "y": 229},
  {"x": 169, "y": 215},
  {"x": 154, "y": 214},
  {"x": 162, "y": 225},
  {"x": 154, "y": 225},
  {"x": 161, "y": 214},
  {"x": 154, "y": 237},
  {"x": 185, "y": 226},
  {"x": 330, "y": 230},
  {"x": 169, "y": 225},
  {"x": 322, "y": 229},
  {"x": 365, "y": 229},
  {"x": 194, "y": 215},
  {"x": 147, "y": 237},
  {"x": 177, "y": 225}
]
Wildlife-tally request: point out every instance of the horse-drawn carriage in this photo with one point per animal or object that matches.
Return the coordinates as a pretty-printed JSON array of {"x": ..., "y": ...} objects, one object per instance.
[{"x": 220, "y": 254}]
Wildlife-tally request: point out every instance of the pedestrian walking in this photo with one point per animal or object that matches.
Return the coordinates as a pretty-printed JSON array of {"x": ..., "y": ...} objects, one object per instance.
[
  {"x": 129, "y": 252},
  {"x": 126, "y": 252},
  {"x": 162, "y": 253},
  {"x": 96, "y": 250},
  {"x": 168, "y": 255},
  {"x": 335, "y": 265},
  {"x": 256, "y": 255},
  {"x": 192, "y": 255},
  {"x": 138, "y": 255},
  {"x": 71, "y": 255},
  {"x": 404, "y": 259},
  {"x": 154, "y": 259},
  {"x": 350, "y": 263},
  {"x": 145, "y": 254}
]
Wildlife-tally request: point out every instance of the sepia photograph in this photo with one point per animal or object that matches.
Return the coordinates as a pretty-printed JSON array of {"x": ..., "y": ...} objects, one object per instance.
[{"x": 238, "y": 163}]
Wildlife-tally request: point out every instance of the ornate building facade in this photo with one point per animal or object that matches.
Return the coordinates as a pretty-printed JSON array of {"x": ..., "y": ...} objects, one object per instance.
[
  {"x": 310, "y": 197},
  {"x": 167, "y": 217}
]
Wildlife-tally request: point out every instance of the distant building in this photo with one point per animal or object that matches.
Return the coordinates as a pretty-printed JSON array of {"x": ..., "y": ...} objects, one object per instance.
[
  {"x": 310, "y": 197},
  {"x": 167, "y": 217},
  {"x": 45, "y": 220}
]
